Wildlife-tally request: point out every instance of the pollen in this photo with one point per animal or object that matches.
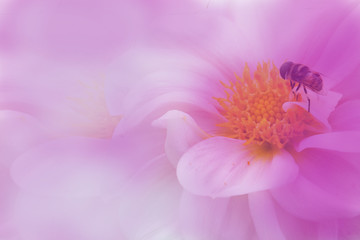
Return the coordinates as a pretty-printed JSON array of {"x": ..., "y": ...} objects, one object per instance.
[{"x": 253, "y": 109}]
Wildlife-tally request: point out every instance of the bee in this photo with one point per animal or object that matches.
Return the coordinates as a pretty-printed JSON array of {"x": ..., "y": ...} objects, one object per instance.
[{"x": 302, "y": 75}]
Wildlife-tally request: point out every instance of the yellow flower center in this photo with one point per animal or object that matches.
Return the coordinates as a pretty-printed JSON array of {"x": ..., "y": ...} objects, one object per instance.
[{"x": 253, "y": 109}]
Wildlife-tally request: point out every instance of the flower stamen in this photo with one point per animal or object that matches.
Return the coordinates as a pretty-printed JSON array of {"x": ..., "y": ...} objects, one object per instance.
[{"x": 253, "y": 109}]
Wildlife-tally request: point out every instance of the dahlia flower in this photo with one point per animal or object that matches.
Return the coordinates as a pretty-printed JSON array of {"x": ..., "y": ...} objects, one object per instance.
[
  {"x": 253, "y": 162},
  {"x": 182, "y": 163}
]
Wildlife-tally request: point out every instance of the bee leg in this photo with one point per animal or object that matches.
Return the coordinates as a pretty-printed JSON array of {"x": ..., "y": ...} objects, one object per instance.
[
  {"x": 292, "y": 85},
  {"x": 307, "y": 98},
  {"x": 297, "y": 89}
]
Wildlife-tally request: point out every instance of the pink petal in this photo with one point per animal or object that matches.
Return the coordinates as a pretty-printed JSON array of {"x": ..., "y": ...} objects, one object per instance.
[
  {"x": 213, "y": 219},
  {"x": 221, "y": 167},
  {"x": 149, "y": 205},
  {"x": 75, "y": 91},
  {"x": 340, "y": 57},
  {"x": 153, "y": 72},
  {"x": 337, "y": 177},
  {"x": 222, "y": 47},
  {"x": 295, "y": 228},
  {"x": 86, "y": 197},
  {"x": 40, "y": 217},
  {"x": 79, "y": 166},
  {"x": 282, "y": 42},
  {"x": 183, "y": 100},
  {"x": 8, "y": 193},
  {"x": 349, "y": 228},
  {"x": 345, "y": 141},
  {"x": 160, "y": 86},
  {"x": 8, "y": 231},
  {"x": 346, "y": 116},
  {"x": 320, "y": 106},
  {"x": 306, "y": 200},
  {"x": 264, "y": 216},
  {"x": 182, "y": 133},
  {"x": 19, "y": 132},
  {"x": 72, "y": 32},
  {"x": 328, "y": 230},
  {"x": 291, "y": 226},
  {"x": 273, "y": 222},
  {"x": 349, "y": 86}
]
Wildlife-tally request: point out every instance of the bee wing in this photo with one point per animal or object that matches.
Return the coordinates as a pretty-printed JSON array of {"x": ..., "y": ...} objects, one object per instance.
[
  {"x": 314, "y": 84},
  {"x": 323, "y": 92}
]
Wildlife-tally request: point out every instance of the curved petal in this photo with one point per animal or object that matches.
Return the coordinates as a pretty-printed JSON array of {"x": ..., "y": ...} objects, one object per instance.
[
  {"x": 149, "y": 205},
  {"x": 320, "y": 106},
  {"x": 8, "y": 193},
  {"x": 83, "y": 167},
  {"x": 328, "y": 230},
  {"x": 264, "y": 216},
  {"x": 297, "y": 38},
  {"x": 349, "y": 86},
  {"x": 308, "y": 201},
  {"x": 291, "y": 226},
  {"x": 345, "y": 141},
  {"x": 93, "y": 194},
  {"x": 340, "y": 57},
  {"x": 224, "y": 47},
  {"x": 160, "y": 86},
  {"x": 73, "y": 102},
  {"x": 222, "y": 167},
  {"x": 19, "y": 132},
  {"x": 349, "y": 228},
  {"x": 272, "y": 222},
  {"x": 97, "y": 32},
  {"x": 187, "y": 101},
  {"x": 8, "y": 231},
  {"x": 141, "y": 74},
  {"x": 214, "y": 219},
  {"x": 69, "y": 44},
  {"x": 336, "y": 175},
  {"x": 182, "y": 133},
  {"x": 346, "y": 117},
  {"x": 39, "y": 217}
]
